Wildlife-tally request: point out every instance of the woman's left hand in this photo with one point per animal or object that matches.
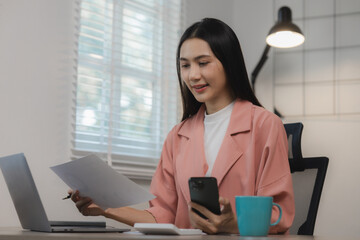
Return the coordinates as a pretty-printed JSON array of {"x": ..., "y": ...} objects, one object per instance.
[{"x": 223, "y": 223}]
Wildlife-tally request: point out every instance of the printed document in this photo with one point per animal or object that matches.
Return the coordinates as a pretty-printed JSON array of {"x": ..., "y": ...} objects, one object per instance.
[{"x": 94, "y": 178}]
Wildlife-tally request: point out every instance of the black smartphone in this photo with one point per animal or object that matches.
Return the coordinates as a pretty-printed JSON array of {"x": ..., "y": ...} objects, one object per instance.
[{"x": 204, "y": 191}]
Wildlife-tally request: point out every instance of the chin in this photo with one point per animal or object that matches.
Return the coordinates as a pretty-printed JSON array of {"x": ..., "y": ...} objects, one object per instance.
[{"x": 200, "y": 100}]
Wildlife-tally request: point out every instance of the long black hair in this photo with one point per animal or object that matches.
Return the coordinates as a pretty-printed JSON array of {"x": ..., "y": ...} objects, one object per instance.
[{"x": 226, "y": 47}]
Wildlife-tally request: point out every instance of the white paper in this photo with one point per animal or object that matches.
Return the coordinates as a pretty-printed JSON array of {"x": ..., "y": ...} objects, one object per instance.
[{"x": 104, "y": 185}]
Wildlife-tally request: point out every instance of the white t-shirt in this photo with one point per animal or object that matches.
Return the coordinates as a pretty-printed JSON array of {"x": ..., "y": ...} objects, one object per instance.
[{"x": 215, "y": 125}]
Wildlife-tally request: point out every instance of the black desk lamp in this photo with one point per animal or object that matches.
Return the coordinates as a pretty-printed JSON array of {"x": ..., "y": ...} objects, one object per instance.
[{"x": 284, "y": 34}]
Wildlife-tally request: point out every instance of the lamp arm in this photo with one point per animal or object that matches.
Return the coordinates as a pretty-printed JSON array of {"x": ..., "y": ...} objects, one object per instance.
[{"x": 258, "y": 67}]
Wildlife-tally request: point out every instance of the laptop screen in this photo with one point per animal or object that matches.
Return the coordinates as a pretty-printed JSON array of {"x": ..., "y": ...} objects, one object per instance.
[{"x": 23, "y": 192}]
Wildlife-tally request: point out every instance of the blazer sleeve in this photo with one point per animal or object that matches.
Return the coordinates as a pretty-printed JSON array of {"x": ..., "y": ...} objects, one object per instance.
[
  {"x": 163, "y": 206},
  {"x": 274, "y": 176}
]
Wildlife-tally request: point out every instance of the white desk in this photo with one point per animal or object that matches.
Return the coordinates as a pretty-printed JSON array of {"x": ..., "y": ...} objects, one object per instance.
[{"x": 19, "y": 234}]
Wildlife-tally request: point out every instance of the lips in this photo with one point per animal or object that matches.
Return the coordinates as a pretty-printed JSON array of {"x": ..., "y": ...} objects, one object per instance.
[{"x": 200, "y": 87}]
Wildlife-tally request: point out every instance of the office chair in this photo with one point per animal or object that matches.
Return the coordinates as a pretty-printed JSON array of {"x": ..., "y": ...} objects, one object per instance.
[{"x": 304, "y": 168}]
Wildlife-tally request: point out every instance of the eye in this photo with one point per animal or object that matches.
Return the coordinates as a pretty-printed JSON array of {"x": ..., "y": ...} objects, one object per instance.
[
  {"x": 201, "y": 64},
  {"x": 185, "y": 65}
]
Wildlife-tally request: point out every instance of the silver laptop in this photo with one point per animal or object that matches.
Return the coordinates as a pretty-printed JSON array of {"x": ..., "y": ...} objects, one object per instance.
[{"x": 28, "y": 204}]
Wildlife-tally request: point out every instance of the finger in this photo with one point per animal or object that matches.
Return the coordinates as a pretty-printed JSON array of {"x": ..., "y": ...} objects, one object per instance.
[
  {"x": 206, "y": 225},
  {"x": 199, "y": 222},
  {"x": 226, "y": 206},
  {"x": 192, "y": 216},
  {"x": 195, "y": 217},
  {"x": 75, "y": 196},
  {"x": 85, "y": 209},
  {"x": 83, "y": 202},
  {"x": 207, "y": 213}
]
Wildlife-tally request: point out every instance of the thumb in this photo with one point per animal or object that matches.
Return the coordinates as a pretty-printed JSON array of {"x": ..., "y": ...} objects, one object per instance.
[{"x": 226, "y": 206}]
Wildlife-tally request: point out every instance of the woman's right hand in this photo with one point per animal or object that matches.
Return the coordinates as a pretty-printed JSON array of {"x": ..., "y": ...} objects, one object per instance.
[{"x": 85, "y": 205}]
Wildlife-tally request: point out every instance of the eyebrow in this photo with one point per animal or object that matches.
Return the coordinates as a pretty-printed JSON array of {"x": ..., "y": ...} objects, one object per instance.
[{"x": 196, "y": 58}]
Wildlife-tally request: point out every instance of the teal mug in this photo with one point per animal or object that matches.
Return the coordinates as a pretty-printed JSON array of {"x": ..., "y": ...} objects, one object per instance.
[{"x": 254, "y": 215}]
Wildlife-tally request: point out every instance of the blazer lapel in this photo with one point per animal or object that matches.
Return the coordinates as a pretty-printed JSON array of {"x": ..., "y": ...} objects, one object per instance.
[
  {"x": 230, "y": 151},
  {"x": 191, "y": 161}
]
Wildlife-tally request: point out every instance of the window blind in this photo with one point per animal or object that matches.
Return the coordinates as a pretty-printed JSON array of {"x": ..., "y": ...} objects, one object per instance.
[{"x": 126, "y": 90}]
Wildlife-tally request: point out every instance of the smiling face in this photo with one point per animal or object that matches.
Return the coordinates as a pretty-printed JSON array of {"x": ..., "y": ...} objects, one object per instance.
[{"x": 204, "y": 75}]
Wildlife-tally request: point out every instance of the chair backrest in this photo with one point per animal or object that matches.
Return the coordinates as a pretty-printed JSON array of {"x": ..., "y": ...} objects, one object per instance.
[
  {"x": 294, "y": 132},
  {"x": 303, "y": 168}
]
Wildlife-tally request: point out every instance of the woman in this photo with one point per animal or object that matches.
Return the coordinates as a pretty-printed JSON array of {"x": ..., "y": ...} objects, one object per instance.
[{"x": 224, "y": 133}]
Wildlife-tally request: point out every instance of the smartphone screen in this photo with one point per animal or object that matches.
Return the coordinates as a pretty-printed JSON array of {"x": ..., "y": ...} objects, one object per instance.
[{"x": 204, "y": 191}]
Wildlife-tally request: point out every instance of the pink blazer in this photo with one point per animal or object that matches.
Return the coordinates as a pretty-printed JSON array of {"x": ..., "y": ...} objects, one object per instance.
[{"x": 252, "y": 160}]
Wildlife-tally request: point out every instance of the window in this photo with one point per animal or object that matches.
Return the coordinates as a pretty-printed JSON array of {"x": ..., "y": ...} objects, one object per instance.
[{"x": 126, "y": 92}]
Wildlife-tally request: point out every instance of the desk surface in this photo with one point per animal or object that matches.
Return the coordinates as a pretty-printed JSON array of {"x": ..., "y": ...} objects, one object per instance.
[{"x": 17, "y": 233}]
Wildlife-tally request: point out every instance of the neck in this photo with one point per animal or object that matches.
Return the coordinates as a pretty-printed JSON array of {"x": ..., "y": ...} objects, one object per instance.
[{"x": 218, "y": 105}]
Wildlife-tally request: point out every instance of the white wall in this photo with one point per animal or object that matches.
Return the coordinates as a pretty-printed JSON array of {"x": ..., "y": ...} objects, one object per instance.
[
  {"x": 35, "y": 78},
  {"x": 199, "y": 9},
  {"x": 252, "y": 21}
]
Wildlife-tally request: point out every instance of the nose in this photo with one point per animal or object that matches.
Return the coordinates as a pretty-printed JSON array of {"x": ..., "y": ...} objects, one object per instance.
[{"x": 194, "y": 73}]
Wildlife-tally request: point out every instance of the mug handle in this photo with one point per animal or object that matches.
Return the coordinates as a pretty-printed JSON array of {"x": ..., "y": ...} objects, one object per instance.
[{"x": 277, "y": 221}]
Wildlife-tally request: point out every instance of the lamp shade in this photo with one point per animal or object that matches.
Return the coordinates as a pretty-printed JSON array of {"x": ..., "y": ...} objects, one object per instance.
[{"x": 285, "y": 34}]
